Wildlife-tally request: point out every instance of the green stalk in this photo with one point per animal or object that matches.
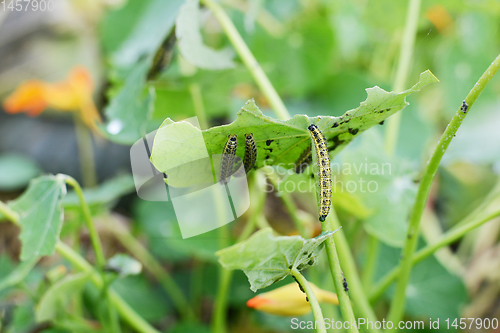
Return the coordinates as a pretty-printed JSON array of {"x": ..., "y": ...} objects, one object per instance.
[
  {"x": 404, "y": 65},
  {"x": 249, "y": 60},
  {"x": 398, "y": 302},
  {"x": 356, "y": 290},
  {"x": 336, "y": 271},
  {"x": 446, "y": 239},
  {"x": 370, "y": 263},
  {"x": 153, "y": 266},
  {"x": 316, "y": 309},
  {"x": 85, "y": 152},
  {"x": 94, "y": 236},
  {"x": 125, "y": 311},
  {"x": 199, "y": 108}
]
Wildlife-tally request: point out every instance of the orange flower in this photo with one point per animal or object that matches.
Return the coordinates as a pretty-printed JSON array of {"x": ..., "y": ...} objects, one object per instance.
[
  {"x": 289, "y": 300},
  {"x": 440, "y": 17},
  {"x": 72, "y": 94}
]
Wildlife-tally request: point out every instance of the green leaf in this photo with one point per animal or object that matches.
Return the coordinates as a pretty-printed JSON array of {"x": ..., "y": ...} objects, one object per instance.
[
  {"x": 57, "y": 297},
  {"x": 384, "y": 185},
  {"x": 18, "y": 274},
  {"x": 280, "y": 142},
  {"x": 16, "y": 171},
  {"x": 109, "y": 191},
  {"x": 129, "y": 112},
  {"x": 267, "y": 259},
  {"x": 154, "y": 24},
  {"x": 191, "y": 44},
  {"x": 124, "y": 265},
  {"x": 40, "y": 216}
]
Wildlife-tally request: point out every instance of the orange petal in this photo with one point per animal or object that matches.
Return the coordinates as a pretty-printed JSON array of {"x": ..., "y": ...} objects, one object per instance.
[{"x": 29, "y": 97}]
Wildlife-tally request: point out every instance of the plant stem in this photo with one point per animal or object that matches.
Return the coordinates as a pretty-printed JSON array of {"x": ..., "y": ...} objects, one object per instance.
[
  {"x": 249, "y": 60},
  {"x": 446, "y": 239},
  {"x": 357, "y": 293},
  {"x": 85, "y": 153},
  {"x": 153, "y": 266},
  {"x": 199, "y": 108},
  {"x": 398, "y": 302},
  {"x": 316, "y": 310},
  {"x": 336, "y": 271},
  {"x": 126, "y": 312},
  {"x": 94, "y": 236},
  {"x": 404, "y": 65},
  {"x": 370, "y": 263}
]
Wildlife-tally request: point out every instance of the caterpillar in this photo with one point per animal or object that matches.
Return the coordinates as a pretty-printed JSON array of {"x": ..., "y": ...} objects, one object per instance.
[
  {"x": 250, "y": 152},
  {"x": 325, "y": 174},
  {"x": 227, "y": 159},
  {"x": 304, "y": 160}
]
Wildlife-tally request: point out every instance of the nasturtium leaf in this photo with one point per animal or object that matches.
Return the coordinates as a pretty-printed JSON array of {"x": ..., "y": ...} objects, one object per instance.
[
  {"x": 267, "y": 259},
  {"x": 282, "y": 142},
  {"x": 130, "y": 110},
  {"x": 109, "y": 191},
  {"x": 40, "y": 215},
  {"x": 383, "y": 184},
  {"x": 124, "y": 265},
  {"x": 57, "y": 297},
  {"x": 154, "y": 24},
  {"x": 16, "y": 171},
  {"x": 191, "y": 44}
]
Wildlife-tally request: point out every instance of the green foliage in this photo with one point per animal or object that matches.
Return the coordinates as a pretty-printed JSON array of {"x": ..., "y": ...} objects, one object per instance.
[
  {"x": 16, "y": 171},
  {"x": 56, "y": 299},
  {"x": 124, "y": 265},
  {"x": 278, "y": 142},
  {"x": 40, "y": 215},
  {"x": 267, "y": 259}
]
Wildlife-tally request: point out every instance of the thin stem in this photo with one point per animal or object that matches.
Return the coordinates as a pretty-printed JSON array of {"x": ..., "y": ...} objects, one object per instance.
[
  {"x": 249, "y": 60},
  {"x": 125, "y": 311},
  {"x": 316, "y": 309},
  {"x": 85, "y": 153},
  {"x": 94, "y": 236},
  {"x": 446, "y": 239},
  {"x": 398, "y": 302},
  {"x": 356, "y": 290},
  {"x": 153, "y": 266},
  {"x": 338, "y": 278},
  {"x": 404, "y": 65},
  {"x": 199, "y": 108},
  {"x": 371, "y": 262}
]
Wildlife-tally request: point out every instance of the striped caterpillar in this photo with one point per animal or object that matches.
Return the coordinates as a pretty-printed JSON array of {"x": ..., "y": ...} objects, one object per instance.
[
  {"x": 227, "y": 160},
  {"x": 325, "y": 174},
  {"x": 305, "y": 159},
  {"x": 250, "y": 152}
]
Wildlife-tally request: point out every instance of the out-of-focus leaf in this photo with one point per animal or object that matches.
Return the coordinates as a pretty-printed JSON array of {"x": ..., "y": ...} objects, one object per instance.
[
  {"x": 190, "y": 327},
  {"x": 40, "y": 215},
  {"x": 157, "y": 220},
  {"x": 22, "y": 319},
  {"x": 278, "y": 142},
  {"x": 267, "y": 259},
  {"x": 55, "y": 300},
  {"x": 130, "y": 110},
  {"x": 191, "y": 43},
  {"x": 384, "y": 185},
  {"x": 432, "y": 291},
  {"x": 155, "y": 22},
  {"x": 124, "y": 265},
  {"x": 16, "y": 171},
  {"x": 148, "y": 302},
  {"x": 18, "y": 274},
  {"x": 107, "y": 192}
]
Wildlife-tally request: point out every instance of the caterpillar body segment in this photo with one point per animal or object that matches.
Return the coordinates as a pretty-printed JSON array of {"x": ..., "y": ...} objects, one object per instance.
[
  {"x": 227, "y": 160},
  {"x": 325, "y": 174},
  {"x": 250, "y": 152}
]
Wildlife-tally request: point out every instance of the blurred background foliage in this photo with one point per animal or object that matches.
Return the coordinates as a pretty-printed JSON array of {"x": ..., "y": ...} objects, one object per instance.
[{"x": 320, "y": 55}]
